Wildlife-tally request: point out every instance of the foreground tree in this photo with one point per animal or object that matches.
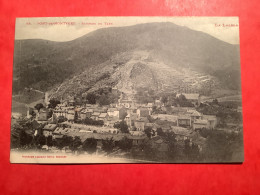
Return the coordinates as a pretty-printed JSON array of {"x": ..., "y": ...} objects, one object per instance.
[
  {"x": 49, "y": 141},
  {"x": 75, "y": 144},
  {"x": 170, "y": 139},
  {"x": 108, "y": 145},
  {"x": 24, "y": 138},
  {"x": 125, "y": 144},
  {"x": 38, "y": 141},
  {"x": 90, "y": 145},
  {"x": 148, "y": 131},
  {"x": 64, "y": 141},
  {"x": 160, "y": 132}
]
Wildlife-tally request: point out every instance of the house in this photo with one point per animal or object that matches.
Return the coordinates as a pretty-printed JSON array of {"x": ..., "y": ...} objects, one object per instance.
[
  {"x": 184, "y": 121},
  {"x": 212, "y": 120},
  {"x": 103, "y": 116},
  {"x": 71, "y": 102},
  {"x": 111, "y": 121},
  {"x": 192, "y": 97},
  {"x": 137, "y": 133},
  {"x": 180, "y": 133},
  {"x": 124, "y": 102},
  {"x": 199, "y": 124},
  {"x": 195, "y": 115},
  {"x": 158, "y": 103},
  {"x": 112, "y": 112},
  {"x": 138, "y": 138},
  {"x": 119, "y": 112},
  {"x": 48, "y": 129},
  {"x": 143, "y": 112},
  {"x": 58, "y": 111},
  {"x": 130, "y": 118},
  {"x": 86, "y": 113},
  {"x": 42, "y": 115},
  {"x": 131, "y": 110},
  {"x": 166, "y": 117},
  {"x": 70, "y": 115},
  {"x": 140, "y": 124},
  {"x": 100, "y": 109},
  {"x": 166, "y": 128},
  {"x": 95, "y": 115},
  {"x": 58, "y": 133}
]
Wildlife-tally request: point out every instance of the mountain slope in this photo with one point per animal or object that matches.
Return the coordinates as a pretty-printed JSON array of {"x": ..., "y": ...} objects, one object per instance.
[{"x": 43, "y": 64}]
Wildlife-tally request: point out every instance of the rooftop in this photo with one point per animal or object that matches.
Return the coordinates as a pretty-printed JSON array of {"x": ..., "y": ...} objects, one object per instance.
[{"x": 50, "y": 127}]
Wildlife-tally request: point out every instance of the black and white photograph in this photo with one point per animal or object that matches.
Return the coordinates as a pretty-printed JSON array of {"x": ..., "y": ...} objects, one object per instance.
[{"x": 126, "y": 90}]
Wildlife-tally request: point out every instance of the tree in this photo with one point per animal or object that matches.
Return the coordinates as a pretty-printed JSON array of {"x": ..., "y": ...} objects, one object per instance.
[
  {"x": 53, "y": 103},
  {"x": 191, "y": 150},
  {"x": 39, "y": 140},
  {"x": 148, "y": 150},
  {"x": 38, "y": 106},
  {"x": 24, "y": 138},
  {"x": 75, "y": 144},
  {"x": 160, "y": 132},
  {"x": 183, "y": 102},
  {"x": 90, "y": 145},
  {"x": 108, "y": 145},
  {"x": 103, "y": 100},
  {"x": 164, "y": 99},
  {"x": 122, "y": 126},
  {"x": 65, "y": 141},
  {"x": 76, "y": 116},
  {"x": 49, "y": 141},
  {"x": 148, "y": 132},
  {"x": 125, "y": 144},
  {"x": 91, "y": 97},
  {"x": 170, "y": 139}
]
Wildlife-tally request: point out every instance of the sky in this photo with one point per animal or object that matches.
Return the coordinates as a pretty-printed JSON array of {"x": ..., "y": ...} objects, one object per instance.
[{"x": 69, "y": 28}]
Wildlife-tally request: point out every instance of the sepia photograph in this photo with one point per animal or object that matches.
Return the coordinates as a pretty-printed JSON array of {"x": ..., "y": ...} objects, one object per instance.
[{"x": 126, "y": 90}]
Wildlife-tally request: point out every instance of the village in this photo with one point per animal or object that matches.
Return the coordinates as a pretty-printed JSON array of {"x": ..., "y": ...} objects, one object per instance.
[{"x": 125, "y": 120}]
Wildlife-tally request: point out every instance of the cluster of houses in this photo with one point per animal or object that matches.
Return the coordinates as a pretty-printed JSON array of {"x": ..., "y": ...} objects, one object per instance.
[
  {"x": 137, "y": 116},
  {"x": 180, "y": 120}
]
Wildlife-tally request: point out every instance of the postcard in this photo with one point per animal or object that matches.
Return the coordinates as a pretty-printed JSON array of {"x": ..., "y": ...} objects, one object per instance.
[{"x": 126, "y": 90}]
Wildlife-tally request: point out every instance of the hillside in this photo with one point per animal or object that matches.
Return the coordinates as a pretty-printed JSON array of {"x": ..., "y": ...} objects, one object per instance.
[{"x": 104, "y": 57}]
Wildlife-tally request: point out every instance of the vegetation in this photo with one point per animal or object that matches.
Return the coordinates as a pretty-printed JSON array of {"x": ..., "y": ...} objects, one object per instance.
[
  {"x": 125, "y": 144},
  {"x": 182, "y": 101},
  {"x": 191, "y": 151},
  {"x": 75, "y": 144},
  {"x": 91, "y": 98},
  {"x": 122, "y": 126},
  {"x": 149, "y": 132},
  {"x": 222, "y": 146},
  {"x": 38, "y": 106},
  {"x": 89, "y": 121},
  {"x": 63, "y": 142},
  {"x": 225, "y": 113},
  {"x": 90, "y": 145},
  {"x": 108, "y": 145},
  {"x": 53, "y": 103}
]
